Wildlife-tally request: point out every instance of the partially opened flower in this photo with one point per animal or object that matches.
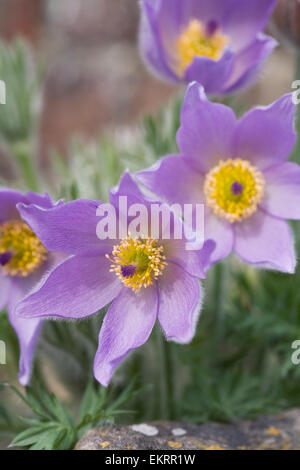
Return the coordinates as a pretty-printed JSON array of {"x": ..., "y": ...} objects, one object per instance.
[
  {"x": 238, "y": 169},
  {"x": 23, "y": 262},
  {"x": 145, "y": 278},
  {"x": 218, "y": 43}
]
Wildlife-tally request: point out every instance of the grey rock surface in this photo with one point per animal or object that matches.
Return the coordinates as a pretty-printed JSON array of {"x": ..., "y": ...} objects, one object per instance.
[{"x": 278, "y": 432}]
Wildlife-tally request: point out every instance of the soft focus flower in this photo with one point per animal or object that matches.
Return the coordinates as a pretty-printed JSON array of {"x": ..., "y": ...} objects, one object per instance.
[
  {"x": 144, "y": 278},
  {"x": 23, "y": 262},
  {"x": 238, "y": 169},
  {"x": 218, "y": 43}
]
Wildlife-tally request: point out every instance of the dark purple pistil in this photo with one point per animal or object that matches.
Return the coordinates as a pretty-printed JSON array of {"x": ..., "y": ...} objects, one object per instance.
[
  {"x": 211, "y": 27},
  {"x": 128, "y": 270},
  {"x": 5, "y": 257},
  {"x": 237, "y": 188}
]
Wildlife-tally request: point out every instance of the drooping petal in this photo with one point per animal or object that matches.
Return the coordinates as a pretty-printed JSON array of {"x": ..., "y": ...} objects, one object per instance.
[
  {"x": 126, "y": 326},
  {"x": 206, "y": 131},
  {"x": 265, "y": 135},
  {"x": 27, "y": 330},
  {"x": 180, "y": 299},
  {"x": 211, "y": 74},
  {"x": 77, "y": 288},
  {"x": 244, "y": 19},
  {"x": 248, "y": 62},
  {"x": 282, "y": 191},
  {"x": 266, "y": 242},
  {"x": 70, "y": 228}
]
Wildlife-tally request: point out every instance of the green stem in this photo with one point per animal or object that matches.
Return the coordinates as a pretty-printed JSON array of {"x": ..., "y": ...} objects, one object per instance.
[
  {"x": 166, "y": 376},
  {"x": 219, "y": 296}
]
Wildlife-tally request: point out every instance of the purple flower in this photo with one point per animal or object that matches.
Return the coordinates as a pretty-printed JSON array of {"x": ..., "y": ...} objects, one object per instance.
[
  {"x": 144, "y": 278},
  {"x": 238, "y": 169},
  {"x": 218, "y": 43},
  {"x": 23, "y": 262}
]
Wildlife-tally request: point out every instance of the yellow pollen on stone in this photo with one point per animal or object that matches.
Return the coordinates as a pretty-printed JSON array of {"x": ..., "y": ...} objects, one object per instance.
[
  {"x": 196, "y": 41},
  {"x": 27, "y": 251},
  {"x": 145, "y": 258},
  {"x": 233, "y": 204}
]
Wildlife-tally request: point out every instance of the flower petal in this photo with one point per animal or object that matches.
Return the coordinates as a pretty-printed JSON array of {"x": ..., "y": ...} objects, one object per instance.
[
  {"x": 265, "y": 135},
  {"x": 180, "y": 300},
  {"x": 221, "y": 232},
  {"x": 27, "y": 330},
  {"x": 70, "y": 228},
  {"x": 9, "y": 198},
  {"x": 151, "y": 48},
  {"x": 42, "y": 200},
  {"x": 206, "y": 131},
  {"x": 194, "y": 261},
  {"x": 126, "y": 326},
  {"x": 174, "y": 181},
  {"x": 282, "y": 191},
  {"x": 127, "y": 187},
  {"x": 77, "y": 288},
  {"x": 248, "y": 62},
  {"x": 266, "y": 242},
  {"x": 211, "y": 74},
  {"x": 246, "y": 18}
]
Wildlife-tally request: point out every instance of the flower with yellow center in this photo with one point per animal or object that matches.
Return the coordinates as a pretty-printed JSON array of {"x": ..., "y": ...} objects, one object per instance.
[
  {"x": 199, "y": 40},
  {"x": 21, "y": 251},
  {"x": 233, "y": 189},
  {"x": 138, "y": 262}
]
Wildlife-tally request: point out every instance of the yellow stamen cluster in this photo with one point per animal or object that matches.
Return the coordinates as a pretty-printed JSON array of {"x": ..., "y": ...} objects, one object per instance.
[
  {"x": 144, "y": 256},
  {"x": 195, "y": 41},
  {"x": 220, "y": 196},
  {"x": 28, "y": 253}
]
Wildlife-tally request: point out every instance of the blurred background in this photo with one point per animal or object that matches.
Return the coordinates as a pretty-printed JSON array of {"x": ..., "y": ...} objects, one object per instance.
[
  {"x": 80, "y": 78},
  {"x": 93, "y": 76}
]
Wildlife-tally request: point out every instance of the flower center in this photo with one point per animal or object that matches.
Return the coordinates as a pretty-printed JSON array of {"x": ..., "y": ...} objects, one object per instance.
[
  {"x": 137, "y": 262},
  {"x": 200, "y": 40},
  {"x": 21, "y": 252},
  {"x": 233, "y": 189}
]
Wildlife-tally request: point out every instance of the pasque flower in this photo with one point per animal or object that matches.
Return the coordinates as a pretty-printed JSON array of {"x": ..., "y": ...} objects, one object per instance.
[
  {"x": 23, "y": 262},
  {"x": 218, "y": 43},
  {"x": 144, "y": 278},
  {"x": 238, "y": 168}
]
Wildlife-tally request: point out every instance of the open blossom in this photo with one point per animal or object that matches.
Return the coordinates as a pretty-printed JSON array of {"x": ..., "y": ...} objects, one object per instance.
[
  {"x": 238, "y": 168},
  {"x": 145, "y": 279},
  {"x": 218, "y": 43},
  {"x": 23, "y": 262}
]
